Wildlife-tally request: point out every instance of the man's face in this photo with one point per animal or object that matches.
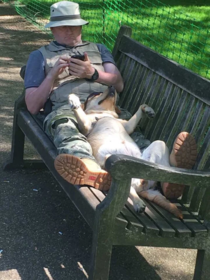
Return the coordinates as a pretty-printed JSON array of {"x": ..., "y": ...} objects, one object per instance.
[{"x": 67, "y": 35}]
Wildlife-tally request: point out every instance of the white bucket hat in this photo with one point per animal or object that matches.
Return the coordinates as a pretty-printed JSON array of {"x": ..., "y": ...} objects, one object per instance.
[{"x": 65, "y": 13}]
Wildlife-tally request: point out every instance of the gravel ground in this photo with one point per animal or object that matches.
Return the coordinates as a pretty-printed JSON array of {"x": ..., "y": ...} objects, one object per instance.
[{"x": 42, "y": 235}]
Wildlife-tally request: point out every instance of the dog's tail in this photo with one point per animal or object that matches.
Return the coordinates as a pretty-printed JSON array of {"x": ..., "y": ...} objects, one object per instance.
[{"x": 160, "y": 200}]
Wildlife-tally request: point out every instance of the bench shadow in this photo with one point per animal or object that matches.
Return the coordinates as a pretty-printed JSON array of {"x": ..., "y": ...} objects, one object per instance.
[
  {"x": 43, "y": 233},
  {"x": 129, "y": 264}
]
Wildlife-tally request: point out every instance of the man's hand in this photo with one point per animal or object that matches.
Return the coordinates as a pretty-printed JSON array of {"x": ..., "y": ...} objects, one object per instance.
[
  {"x": 84, "y": 70},
  {"x": 59, "y": 67},
  {"x": 81, "y": 69}
]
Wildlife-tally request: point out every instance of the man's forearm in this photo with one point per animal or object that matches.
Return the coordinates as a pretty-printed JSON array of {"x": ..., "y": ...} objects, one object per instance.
[
  {"x": 35, "y": 98},
  {"x": 111, "y": 79}
]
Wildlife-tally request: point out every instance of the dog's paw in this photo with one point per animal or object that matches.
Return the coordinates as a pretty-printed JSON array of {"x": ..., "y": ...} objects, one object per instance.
[
  {"x": 149, "y": 112},
  {"x": 74, "y": 101},
  {"x": 139, "y": 205}
]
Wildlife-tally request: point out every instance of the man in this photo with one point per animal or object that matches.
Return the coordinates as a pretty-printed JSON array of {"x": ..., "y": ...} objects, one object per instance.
[{"x": 52, "y": 73}]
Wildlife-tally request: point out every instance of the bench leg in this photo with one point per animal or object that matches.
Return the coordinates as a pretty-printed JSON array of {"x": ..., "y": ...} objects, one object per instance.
[
  {"x": 202, "y": 266},
  {"x": 101, "y": 258},
  {"x": 17, "y": 150},
  {"x": 16, "y": 159}
]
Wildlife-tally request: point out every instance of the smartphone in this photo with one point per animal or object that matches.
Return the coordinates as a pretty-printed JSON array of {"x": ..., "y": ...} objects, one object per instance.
[{"x": 79, "y": 56}]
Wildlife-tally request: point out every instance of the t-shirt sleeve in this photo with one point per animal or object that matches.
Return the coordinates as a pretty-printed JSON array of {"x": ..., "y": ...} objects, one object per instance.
[
  {"x": 105, "y": 54},
  {"x": 35, "y": 70}
]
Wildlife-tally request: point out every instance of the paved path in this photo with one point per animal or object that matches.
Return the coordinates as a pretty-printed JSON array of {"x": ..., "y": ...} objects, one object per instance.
[{"x": 42, "y": 236}]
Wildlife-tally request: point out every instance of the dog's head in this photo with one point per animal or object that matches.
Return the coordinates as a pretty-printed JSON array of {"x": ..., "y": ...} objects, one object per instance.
[{"x": 102, "y": 101}]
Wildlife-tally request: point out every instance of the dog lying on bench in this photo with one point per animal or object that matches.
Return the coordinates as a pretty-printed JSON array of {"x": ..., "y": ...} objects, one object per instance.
[{"x": 109, "y": 135}]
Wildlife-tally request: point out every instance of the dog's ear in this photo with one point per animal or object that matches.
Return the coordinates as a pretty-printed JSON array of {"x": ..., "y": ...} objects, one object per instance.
[
  {"x": 83, "y": 106},
  {"x": 117, "y": 110}
]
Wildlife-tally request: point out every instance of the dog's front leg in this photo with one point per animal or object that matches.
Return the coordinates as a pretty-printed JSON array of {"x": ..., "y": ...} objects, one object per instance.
[
  {"x": 134, "y": 120},
  {"x": 84, "y": 122}
]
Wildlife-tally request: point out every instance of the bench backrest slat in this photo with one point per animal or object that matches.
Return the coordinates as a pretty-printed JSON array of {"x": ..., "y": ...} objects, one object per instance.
[
  {"x": 204, "y": 210},
  {"x": 166, "y": 68}
]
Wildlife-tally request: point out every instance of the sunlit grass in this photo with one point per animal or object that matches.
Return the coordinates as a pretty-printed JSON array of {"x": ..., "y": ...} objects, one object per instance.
[{"x": 178, "y": 29}]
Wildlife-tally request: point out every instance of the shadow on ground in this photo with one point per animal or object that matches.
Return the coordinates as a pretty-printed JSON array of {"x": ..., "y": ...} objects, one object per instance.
[{"x": 42, "y": 230}]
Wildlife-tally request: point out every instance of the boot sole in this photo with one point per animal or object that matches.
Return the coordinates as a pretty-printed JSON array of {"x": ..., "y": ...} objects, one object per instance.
[
  {"x": 184, "y": 153},
  {"x": 74, "y": 171}
]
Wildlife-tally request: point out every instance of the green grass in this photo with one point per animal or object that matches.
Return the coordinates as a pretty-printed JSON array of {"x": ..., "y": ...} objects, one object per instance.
[
  {"x": 178, "y": 29},
  {"x": 181, "y": 33}
]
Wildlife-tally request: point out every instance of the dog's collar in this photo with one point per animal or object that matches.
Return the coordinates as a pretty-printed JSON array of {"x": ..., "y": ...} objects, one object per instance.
[{"x": 89, "y": 96}]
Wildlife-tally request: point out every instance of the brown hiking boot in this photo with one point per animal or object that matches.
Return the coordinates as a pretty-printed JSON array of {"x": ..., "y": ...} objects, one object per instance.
[
  {"x": 183, "y": 155},
  {"x": 82, "y": 172}
]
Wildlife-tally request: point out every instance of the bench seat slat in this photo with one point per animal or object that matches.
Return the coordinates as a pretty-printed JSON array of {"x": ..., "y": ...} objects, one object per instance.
[
  {"x": 139, "y": 222},
  {"x": 175, "y": 223},
  {"x": 149, "y": 226},
  {"x": 192, "y": 221},
  {"x": 132, "y": 222},
  {"x": 100, "y": 196},
  {"x": 164, "y": 227}
]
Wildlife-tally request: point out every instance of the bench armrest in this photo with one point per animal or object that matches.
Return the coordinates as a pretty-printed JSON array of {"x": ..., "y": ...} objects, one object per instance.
[
  {"x": 123, "y": 167},
  {"x": 20, "y": 101}
]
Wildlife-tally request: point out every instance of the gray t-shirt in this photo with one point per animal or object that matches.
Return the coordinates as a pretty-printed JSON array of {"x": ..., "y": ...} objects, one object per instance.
[{"x": 35, "y": 68}]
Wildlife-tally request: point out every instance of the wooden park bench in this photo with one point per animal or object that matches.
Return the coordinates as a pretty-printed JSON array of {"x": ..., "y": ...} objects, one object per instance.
[{"x": 181, "y": 101}]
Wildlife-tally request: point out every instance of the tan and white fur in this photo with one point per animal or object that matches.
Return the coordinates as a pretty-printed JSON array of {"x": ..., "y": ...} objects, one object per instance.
[{"x": 108, "y": 135}]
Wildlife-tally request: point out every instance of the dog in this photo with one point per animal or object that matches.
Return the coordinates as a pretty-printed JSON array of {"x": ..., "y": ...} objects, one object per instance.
[{"x": 107, "y": 134}]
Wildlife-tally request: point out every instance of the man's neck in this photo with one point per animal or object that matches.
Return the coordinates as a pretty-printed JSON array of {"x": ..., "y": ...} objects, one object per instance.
[{"x": 67, "y": 46}]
